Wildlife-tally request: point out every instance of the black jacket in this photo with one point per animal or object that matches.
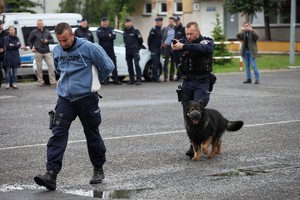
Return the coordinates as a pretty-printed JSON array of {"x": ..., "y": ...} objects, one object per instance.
[
  {"x": 106, "y": 37},
  {"x": 84, "y": 33},
  {"x": 36, "y": 37}
]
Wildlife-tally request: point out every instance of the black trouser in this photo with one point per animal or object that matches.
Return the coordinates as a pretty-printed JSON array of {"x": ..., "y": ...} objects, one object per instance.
[
  {"x": 1, "y": 67},
  {"x": 133, "y": 55},
  {"x": 88, "y": 111}
]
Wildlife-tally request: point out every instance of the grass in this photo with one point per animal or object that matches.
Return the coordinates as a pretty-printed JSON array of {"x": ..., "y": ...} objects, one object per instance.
[{"x": 264, "y": 62}]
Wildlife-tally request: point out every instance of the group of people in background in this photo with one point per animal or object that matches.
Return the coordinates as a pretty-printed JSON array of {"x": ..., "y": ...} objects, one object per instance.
[{"x": 9, "y": 56}]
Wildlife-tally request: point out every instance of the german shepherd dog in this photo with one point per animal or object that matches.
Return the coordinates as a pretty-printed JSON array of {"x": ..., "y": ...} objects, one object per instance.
[{"x": 205, "y": 127}]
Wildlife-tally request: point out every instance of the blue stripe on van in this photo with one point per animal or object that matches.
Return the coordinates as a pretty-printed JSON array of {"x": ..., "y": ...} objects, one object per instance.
[{"x": 27, "y": 59}]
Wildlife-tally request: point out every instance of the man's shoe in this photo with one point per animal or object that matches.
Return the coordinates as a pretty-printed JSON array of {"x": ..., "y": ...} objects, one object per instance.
[
  {"x": 98, "y": 176},
  {"x": 117, "y": 82},
  {"x": 139, "y": 83},
  {"x": 166, "y": 79},
  {"x": 256, "y": 82},
  {"x": 190, "y": 152},
  {"x": 247, "y": 81},
  {"x": 130, "y": 83},
  {"x": 171, "y": 78},
  {"x": 7, "y": 86},
  {"x": 47, "y": 180}
]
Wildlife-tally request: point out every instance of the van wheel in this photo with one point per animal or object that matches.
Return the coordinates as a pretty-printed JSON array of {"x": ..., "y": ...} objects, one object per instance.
[{"x": 148, "y": 71}]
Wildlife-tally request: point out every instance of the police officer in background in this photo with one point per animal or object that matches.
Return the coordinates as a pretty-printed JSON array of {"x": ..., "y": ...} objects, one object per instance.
[
  {"x": 180, "y": 35},
  {"x": 83, "y": 31},
  {"x": 195, "y": 66},
  {"x": 154, "y": 43},
  {"x": 106, "y": 36},
  {"x": 133, "y": 42}
]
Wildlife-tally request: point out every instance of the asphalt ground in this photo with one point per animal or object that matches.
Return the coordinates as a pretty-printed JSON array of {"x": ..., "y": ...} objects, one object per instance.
[{"x": 143, "y": 130}]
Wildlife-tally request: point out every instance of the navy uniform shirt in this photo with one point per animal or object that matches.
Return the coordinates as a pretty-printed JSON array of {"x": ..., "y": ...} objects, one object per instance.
[
  {"x": 106, "y": 37},
  {"x": 155, "y": 39}
]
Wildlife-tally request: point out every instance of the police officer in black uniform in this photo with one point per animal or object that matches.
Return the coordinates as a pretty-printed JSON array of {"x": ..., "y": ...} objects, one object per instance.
[
  {"x": 179, "y": 35},
  {"x": 106, "y": 36},
  {"x": 195, "y": 66},
  {"x": 83, "y": 31},
  {"x": 154, "y": 43},
  {"x": 133, "y": 42}
]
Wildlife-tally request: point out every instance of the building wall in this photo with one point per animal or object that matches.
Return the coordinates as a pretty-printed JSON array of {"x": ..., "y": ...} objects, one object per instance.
[{"x": 203, "y": 12}]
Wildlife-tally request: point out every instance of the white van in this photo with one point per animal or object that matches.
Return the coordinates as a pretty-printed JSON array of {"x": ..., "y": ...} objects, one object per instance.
[{"x": 25, "y": 23}]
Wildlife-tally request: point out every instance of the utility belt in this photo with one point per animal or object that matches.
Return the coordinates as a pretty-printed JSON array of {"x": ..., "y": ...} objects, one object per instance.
[{"x": 195, "y": 77}]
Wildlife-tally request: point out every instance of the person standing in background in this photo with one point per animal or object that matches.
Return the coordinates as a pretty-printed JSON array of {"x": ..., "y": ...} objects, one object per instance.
[
  {"x": 133, "y": 42},
  {"x": 168, "y": 34},
  {"x": 39, "y": 40},
  {"x": 106, "y": 36},
  {"x": 179, "y": 35},
  {"x": 154, "y": 43},
  {"x": 3, "y": 34},
  {"x": 12, "y": 57},
  {"x": 249, "y": 51},
  {"x": 83, "y": 31}
]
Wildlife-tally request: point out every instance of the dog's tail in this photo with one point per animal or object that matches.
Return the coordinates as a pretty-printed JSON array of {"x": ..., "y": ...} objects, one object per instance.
[{"x": 234, "y": 125}]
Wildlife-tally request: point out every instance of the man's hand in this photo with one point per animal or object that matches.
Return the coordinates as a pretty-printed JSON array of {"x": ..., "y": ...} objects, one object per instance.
[{"x": 177, "y": 46}]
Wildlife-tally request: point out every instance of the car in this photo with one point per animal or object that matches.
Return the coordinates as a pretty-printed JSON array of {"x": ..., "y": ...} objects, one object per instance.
[{"x": 119, "y": 47}]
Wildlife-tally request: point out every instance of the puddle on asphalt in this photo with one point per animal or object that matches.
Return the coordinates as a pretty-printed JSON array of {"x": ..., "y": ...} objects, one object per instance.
[
  {"x": 113, "y": 194},
  {"x": 256, "y": 170}
]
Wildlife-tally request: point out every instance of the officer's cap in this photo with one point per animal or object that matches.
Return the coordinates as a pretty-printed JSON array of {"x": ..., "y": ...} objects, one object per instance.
[
  {"x": 158, "y": 19},
  {"x": 104, "y": 19},
  {"x": 83, "y": 20},
  {"x": 176, "y": 18},
  {"x": 128, "y": 20}
]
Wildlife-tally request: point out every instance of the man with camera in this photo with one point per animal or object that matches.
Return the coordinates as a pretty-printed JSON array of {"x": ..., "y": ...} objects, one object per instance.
[
  {"x": 195, "y": 66},
  {"x": 39, "y": 40}
]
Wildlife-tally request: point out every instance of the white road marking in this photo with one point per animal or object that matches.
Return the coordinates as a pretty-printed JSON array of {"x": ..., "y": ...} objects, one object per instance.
[{"x": 145, "y": 135}]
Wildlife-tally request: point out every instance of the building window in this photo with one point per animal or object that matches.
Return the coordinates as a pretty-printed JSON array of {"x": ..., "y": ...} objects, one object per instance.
[
  {"x": 178, "y": 7},
  {"x": 279, "y": 15},
  {"x": 162, "y": 8},
  {"x": 147, "y": 9}
]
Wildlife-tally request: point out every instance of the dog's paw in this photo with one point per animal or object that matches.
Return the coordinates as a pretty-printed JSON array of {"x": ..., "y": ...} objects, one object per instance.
[
  {"x": 195, "y": 159},
  {"x": 205, "y": 151}
]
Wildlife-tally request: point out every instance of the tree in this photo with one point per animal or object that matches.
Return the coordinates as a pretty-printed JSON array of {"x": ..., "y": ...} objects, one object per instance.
[
  {"x": 249, "y": 8},
  {"x": 19, "y": 6},
  {"x": 94, "y": 10},
  {"x": 220, "y": 49}
]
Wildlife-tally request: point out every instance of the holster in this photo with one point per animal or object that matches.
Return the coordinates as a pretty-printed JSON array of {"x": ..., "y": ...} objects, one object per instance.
[
  {"x": 179, "y": 93},
  {"x": 52, "y": 116}
]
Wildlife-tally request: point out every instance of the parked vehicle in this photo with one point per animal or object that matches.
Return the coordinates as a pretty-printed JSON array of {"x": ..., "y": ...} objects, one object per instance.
[
  {"x": 119, "y": 47},
  {"x": 25, "y": 23}
]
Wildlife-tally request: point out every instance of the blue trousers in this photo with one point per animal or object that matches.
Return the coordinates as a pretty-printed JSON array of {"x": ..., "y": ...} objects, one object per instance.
[
  {"x": 195, "y": 90},
  {"x": 250, "y": 61},
  {"x": 133, "y": 55},
  {"x": 88, "y": 111},
  {"x": 155, "y": 58}
]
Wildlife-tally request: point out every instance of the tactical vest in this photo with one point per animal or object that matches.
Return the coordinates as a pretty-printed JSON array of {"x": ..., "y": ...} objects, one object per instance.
[{"x": 195, "y": 63}]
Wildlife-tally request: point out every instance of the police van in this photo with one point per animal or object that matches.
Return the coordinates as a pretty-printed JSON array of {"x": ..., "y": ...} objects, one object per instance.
[{"x": 25, "y": 23}]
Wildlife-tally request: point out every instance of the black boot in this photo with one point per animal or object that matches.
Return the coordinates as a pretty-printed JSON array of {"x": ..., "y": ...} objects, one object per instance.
[
  {"x": 190, "y": 152},
  {"x": 98, "y": 176},
  {"x": 247, "y": 81},
  {"x": 47, "y": 180}
]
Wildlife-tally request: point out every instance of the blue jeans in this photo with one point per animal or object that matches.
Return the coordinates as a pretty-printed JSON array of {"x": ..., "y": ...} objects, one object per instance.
[
  {"x": 88, "y": 111},
  {"x": 11, "y": 74},
  {"x": 250, "y": 61}
]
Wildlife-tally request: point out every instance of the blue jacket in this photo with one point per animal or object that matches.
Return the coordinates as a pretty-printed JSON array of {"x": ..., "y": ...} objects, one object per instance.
[{"x": 81, "y": 68}]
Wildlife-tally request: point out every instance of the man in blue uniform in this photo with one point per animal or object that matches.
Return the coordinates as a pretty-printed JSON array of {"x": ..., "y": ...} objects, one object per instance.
[
  {"x": 81, "y": 66},
  {"x": 83, "y": 31},
  {"x": 196, "y": 65},
  {"x": 133, "y": 42},
  {"x": 154, "y": 43},
  {"x": 106, "y": 36}
]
